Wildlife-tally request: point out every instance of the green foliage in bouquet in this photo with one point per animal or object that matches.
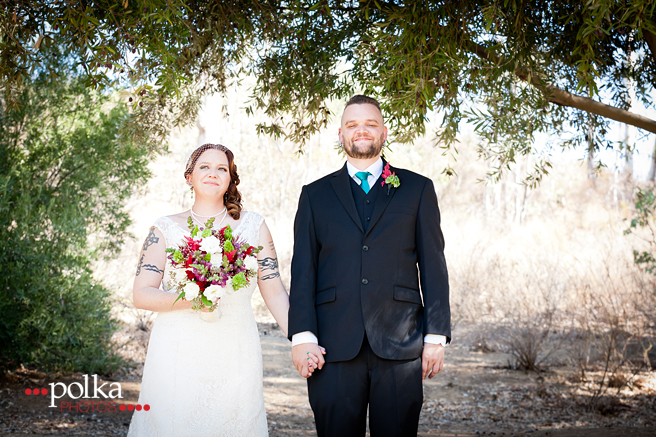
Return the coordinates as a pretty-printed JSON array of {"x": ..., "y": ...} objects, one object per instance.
[
  {"x": 64, "y": 178},
  {"x": 239, "y": 281}
]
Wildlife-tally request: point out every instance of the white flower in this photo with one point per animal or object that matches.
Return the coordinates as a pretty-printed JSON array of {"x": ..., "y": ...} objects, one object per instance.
[
  {"x": 228, "y": 286},
  {"x": 211, "y": 245},
  {"x": 251, "y": 263},
  {"x": 191, "y": 291},
  {"x": 179, "y": 275},
  {"x": 214, "y": 292},
  {"x": 216, "y": 258}
]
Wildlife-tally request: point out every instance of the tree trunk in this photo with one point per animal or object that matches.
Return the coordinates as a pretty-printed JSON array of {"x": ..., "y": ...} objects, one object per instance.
[
  {"x": 592, "y": 174},
  {"x": 652, "y": 169},
  {"x": 628, "y": 162}
]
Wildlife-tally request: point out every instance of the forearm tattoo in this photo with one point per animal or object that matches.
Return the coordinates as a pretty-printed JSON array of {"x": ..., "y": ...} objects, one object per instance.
[
  {"x": 149, "y": 267},
  {"x": 269, "y": 264}
]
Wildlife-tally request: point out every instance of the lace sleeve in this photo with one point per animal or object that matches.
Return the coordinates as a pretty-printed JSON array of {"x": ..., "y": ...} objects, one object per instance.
[
  {"x": 172, "y": 233},
  {"x": 250, "y": 228}
]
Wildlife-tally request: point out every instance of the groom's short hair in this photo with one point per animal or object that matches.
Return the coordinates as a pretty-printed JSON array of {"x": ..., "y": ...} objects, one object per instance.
[{"x": 360, "y": 99}]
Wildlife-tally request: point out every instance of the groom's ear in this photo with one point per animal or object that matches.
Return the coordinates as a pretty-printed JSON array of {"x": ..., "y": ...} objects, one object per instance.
[{"x": 339, "y": 135}]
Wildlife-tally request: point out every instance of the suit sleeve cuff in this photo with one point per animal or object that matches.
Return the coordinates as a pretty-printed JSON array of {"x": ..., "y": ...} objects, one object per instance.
[
  {"x": 305, "y": 337},
  {"x": 435, "y": 339}
]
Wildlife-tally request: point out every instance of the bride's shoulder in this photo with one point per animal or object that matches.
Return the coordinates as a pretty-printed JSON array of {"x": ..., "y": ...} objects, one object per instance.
[
  {"x": 252, "y": 216},
  {"x": 165, "y": 221}
]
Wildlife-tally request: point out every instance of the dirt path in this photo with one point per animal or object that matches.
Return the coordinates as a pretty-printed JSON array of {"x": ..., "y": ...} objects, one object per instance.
[{"x": 475, "y": 395}]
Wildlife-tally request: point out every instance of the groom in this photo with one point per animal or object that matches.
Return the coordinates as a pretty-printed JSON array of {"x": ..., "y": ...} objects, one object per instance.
[{"x": 361, "y": 253}]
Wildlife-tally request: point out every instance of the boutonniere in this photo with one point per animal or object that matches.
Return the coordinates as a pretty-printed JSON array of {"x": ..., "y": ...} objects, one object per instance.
[{"x": 390, "y": 178}]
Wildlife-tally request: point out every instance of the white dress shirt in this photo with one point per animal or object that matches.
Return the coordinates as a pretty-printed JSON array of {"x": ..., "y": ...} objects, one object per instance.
[{"x": 375, "y": 170}]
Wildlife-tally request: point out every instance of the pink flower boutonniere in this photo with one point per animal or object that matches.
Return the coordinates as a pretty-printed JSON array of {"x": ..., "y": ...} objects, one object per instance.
[{"x": 390, "y": 178}]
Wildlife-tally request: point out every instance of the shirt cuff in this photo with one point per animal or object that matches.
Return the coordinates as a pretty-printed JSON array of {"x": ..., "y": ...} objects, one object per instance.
[
  {"x": 435, "y": 339},
  {"x": 307, "y": 337}
]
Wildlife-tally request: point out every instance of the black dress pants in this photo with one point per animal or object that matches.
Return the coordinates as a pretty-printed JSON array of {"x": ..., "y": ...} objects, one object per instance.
[{"x": 340, "y": 392}]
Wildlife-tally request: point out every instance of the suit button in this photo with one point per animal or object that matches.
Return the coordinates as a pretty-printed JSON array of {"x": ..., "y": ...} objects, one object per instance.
[
  {"x": 365, "y": 248},
  {"x": 364, "y": 281},
  {"x": 368, "y": 202},
  {"x": 368, "y": 218}
]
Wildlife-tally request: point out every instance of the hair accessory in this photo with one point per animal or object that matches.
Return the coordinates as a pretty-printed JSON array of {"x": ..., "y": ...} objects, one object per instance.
[{"x": 193, "y": 158}]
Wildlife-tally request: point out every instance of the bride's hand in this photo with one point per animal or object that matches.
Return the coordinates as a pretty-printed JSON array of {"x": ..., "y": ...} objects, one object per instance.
[{"x": 313, "y": 362}]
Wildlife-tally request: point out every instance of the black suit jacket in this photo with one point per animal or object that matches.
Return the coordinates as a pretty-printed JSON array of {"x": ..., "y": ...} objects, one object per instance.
[{"x": 346, "y": 281}]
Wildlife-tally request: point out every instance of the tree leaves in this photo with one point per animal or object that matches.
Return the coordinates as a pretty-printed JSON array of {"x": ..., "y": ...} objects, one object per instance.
[
  {"x": 430, "y": 58},
  {"x": 65, "y": 178}
]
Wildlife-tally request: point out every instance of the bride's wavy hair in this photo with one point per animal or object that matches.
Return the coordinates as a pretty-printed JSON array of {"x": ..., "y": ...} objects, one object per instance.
[{"x": 232, "y": 197}]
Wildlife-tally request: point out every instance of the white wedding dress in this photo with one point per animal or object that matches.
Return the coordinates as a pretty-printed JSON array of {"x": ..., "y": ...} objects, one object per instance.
[{"x": 203, "y": 374}]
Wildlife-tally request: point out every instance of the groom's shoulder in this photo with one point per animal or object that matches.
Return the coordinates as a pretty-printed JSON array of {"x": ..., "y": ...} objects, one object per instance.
[
  {"x": 410, "y": 177},
  {"x": 321, "y": 183}
]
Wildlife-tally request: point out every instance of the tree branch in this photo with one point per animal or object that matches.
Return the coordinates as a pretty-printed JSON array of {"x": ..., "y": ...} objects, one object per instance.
[{"x": 561, "y": 97}]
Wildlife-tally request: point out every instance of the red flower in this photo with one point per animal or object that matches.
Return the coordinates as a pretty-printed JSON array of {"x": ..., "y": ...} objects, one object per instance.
[
  {"x": 190, "y": 274},
  {"x": 386, "y": 172},
  {"x": 193, "y": 245},
  {"x": 249, "y": 250},
  {"x": 231, "y": 255}
]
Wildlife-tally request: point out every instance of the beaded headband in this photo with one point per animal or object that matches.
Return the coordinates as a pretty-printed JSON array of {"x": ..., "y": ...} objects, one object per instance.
[{"x": 193, "y": 158}]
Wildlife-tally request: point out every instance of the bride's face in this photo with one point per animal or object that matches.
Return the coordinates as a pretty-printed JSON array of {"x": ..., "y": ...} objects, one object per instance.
[{"x": 211, "y": 175}]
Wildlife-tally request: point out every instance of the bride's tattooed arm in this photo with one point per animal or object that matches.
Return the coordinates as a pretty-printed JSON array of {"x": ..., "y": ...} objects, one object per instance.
[
  {"x": 270, "y": 265},
  {"x": 149, "y": 267},
  {"x": 150, "y": 240}
]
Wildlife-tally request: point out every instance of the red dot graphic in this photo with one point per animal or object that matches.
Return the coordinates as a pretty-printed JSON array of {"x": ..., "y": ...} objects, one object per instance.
[
  {"x": 146, "y": 407},
  {"x": 130, "y": 407},
  {"x": 138, "y": 407},
  {"x": 36, "y": 391},
  {"x": 44, "y": 391},
  {"x": 28, "y": 391},
  {"x": 122, "y": 407}
]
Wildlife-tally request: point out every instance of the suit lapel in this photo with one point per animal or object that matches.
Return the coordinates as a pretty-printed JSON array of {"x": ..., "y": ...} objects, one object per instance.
[
  {"x": 382, "y": 200},
  {"x": 342, "y": 187}
]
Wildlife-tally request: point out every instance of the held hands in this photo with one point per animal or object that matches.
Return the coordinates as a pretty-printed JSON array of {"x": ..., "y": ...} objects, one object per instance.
[
  {"x": 432, "y": 360},
  {"x": 307, "y": 358}
]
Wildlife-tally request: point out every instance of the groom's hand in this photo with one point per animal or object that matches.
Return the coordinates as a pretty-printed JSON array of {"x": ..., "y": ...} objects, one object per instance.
[
  {"x": 303, "y": 354},
  {"x": 432, "y": 360}
]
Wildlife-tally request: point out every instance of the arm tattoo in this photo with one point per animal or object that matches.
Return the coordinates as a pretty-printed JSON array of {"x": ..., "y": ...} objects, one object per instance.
[
  {"x": 271, "y": 246},
  {"x": 149, "y": 267},
  {"x": 150, "y": 240},
  {"x": 269, "y": 263},
  {"x": 271, "y": 276}
]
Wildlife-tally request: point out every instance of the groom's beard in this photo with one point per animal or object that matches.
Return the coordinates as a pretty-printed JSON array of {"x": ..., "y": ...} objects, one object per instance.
[{"x": 371, "y": 151}]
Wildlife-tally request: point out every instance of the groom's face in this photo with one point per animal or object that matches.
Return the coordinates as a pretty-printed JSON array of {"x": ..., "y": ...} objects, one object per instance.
[{"x": 362, "y": 132}]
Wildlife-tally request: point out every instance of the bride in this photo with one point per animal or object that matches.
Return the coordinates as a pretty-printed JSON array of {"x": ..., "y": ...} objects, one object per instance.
[{"x": 203, "y": 371}]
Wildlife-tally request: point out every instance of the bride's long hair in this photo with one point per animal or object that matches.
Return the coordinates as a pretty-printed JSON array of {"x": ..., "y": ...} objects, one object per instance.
[{"x": 232, "y": 197}]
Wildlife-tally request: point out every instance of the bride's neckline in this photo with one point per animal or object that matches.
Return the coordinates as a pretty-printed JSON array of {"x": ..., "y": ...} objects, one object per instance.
[{"x": 234, "y": 228}]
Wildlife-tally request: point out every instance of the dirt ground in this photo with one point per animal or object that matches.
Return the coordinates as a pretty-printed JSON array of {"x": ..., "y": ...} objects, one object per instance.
[{"x": 476, "y": 394}]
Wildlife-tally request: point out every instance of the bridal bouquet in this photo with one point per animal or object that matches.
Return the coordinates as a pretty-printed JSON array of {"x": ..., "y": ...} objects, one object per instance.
[{"x": 209, "y": 264}]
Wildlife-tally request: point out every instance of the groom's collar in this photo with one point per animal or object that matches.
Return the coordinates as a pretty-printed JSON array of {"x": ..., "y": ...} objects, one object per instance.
[{"x": 376, "y": 169}]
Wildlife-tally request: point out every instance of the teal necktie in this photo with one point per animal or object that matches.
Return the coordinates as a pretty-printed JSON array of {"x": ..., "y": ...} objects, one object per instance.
[{"x": 363, "y": 175}]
